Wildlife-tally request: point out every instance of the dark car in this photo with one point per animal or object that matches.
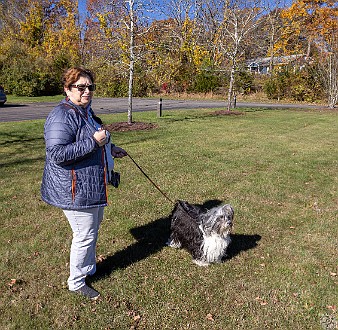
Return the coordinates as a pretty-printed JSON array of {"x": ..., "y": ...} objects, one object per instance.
[{"x": 3, "y": 97}]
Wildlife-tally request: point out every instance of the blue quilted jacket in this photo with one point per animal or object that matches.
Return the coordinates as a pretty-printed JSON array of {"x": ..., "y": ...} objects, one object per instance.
[{"x": 74, "y": 176}]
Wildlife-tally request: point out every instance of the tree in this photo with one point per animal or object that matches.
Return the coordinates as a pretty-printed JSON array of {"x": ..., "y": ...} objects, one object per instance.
[
  {"x": 187, "y": 45},
  {"x": 121, "y": 25},
  {"x": 231, "y": 23},
  {"x": 11, "y": 14},
  {"x": 272, "y": 27},
  {"x": 328, "y": 67},
  {"x": 39, "y": 40},
  {"x": 62, "y": 35},
  {"x": 178, "y": 42},
  {"x": 132, "y": 29},
  {"x": 316, "y": 22}
]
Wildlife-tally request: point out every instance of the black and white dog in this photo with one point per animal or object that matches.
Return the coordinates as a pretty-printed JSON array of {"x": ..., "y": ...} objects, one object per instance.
[{"x": 204, "y": 234}]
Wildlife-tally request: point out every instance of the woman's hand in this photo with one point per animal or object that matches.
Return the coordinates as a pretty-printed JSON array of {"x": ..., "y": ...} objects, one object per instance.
[
  {"x": 118, "y": 152},
  {"x": 101, "y": 137}
]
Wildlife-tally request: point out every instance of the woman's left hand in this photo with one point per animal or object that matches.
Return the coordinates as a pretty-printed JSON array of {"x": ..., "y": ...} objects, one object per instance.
[{"x": 118, "y": 152}]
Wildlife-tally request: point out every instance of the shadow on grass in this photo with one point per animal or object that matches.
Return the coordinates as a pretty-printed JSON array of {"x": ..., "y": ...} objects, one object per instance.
[
  {"x": 13, "y": 105},
  {"x": 240, "y": 243},
  {"x": 153, "y": 236},
  {"x": 18, "y": 138}
]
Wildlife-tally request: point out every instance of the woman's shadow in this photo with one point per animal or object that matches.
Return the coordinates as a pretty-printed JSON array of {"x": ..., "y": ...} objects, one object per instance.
[{"x": 153, "y": 237}]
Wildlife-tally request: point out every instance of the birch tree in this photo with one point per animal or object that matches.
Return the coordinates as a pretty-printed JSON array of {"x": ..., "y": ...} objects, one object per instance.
[
  {"x": 233, "y": 21},
  {"x": 121, "y": 25},
  {"x": 328, "y": 67},
  {"x": 131, "y": 26}
]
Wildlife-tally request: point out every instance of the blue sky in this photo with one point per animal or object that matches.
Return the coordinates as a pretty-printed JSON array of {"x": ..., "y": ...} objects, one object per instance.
[{"x": 82, "y": 4}]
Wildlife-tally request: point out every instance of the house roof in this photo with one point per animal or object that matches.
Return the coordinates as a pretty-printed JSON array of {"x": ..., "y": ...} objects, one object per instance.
[{"x": 265, "y": 61}]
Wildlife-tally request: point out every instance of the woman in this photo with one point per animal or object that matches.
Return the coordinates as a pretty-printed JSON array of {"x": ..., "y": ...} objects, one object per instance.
[{"x": 79, "y": 156}]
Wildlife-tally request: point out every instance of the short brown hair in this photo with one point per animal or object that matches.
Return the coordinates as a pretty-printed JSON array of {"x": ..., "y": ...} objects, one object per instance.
[{"x": 70, "y": 76}]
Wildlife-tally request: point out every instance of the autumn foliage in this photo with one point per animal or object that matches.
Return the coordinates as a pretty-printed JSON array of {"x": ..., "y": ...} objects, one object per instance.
[{"x": 178, "y": 46}]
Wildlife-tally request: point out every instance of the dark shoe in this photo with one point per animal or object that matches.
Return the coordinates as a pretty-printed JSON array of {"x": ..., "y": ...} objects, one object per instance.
[{"x": 88, "y": 292}]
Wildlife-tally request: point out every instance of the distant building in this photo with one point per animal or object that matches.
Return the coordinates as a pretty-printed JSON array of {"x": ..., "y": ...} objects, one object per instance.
[{"x": 262, "y": 65}]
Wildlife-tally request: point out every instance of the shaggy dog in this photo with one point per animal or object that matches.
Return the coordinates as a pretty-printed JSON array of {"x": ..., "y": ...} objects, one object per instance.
[{"x": 204, "y": 234}]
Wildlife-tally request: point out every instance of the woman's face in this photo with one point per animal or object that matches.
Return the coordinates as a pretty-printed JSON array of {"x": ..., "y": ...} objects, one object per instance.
[{"x": 79, "y": 92}]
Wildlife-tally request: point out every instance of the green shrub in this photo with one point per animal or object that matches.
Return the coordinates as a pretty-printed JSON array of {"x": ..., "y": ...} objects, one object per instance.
[
  {"x": 306, "y": 85},
  {"x": 299, "y": 85},
  {"x": 143, "y": 84},
  {"x": 113, "y": 88},
  {"x": 244, "y": 82},
  {"x": 204, "y": 82},
  {"x": 277, "y": 86},
  {"x": 24, "y": 75}
]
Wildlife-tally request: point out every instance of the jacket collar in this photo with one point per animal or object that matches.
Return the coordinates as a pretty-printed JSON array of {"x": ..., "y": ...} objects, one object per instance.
[{"x": 84, "y": 111}]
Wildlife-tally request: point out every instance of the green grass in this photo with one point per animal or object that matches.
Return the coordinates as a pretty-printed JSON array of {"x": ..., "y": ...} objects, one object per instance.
[
  {"x": 277, "y": 168},
  {"x": 33, "y": 99}
]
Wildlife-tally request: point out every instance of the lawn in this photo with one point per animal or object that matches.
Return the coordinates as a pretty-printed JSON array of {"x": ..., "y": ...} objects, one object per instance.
[{"x": 278, "y": 169}]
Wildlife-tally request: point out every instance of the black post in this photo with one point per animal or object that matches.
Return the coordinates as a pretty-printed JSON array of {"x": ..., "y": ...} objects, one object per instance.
[{"x": 159, "y": 109}]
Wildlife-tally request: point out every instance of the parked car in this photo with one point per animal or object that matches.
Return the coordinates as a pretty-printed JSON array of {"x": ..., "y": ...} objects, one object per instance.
[{"x": 3, "y": 97}]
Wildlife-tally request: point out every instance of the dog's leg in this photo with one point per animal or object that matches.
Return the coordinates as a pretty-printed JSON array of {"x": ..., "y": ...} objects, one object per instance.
[
  {"x": 200, "y": 263},
  {"x": 174, "y": 243}
]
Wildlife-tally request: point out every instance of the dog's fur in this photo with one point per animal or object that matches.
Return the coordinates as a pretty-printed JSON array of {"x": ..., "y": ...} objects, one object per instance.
[{"x": 204, "y": 234}]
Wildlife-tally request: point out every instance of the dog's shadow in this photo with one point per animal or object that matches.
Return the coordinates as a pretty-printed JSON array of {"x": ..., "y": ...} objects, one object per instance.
[
  {"x": 153, "y": 237},
  {"x": 240, "y": 243}
]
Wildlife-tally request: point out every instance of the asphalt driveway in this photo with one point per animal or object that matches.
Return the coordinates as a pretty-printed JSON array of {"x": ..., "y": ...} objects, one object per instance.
[{"x": 17, "y": 112}]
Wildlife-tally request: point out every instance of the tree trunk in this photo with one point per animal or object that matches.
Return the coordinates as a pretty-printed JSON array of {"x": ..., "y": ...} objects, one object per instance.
[
  {"x": 231, "y": 86},
  {"x": 130, "y": 87},
  {"x": 333, "y": 82},
  {"x": 131, "y": 65},
  {"x": 271, "y": 53}
]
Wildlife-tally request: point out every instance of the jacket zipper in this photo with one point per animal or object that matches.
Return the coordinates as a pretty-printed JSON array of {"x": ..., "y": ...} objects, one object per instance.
[
  {"x": 105, "y": 172},
  {"x": 73, "y": 184}
]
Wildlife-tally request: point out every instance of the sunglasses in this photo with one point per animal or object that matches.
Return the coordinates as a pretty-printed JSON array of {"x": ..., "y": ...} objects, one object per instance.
[{"x": 82, "y": 87}]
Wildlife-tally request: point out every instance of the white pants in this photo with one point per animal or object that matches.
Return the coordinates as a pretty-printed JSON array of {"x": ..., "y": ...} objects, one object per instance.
[{"x": 85, "y": 226}]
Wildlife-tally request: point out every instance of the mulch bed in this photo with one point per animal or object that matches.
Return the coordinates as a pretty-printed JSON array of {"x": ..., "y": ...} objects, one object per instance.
[
  {"x": 226, "y": 113},
  {"x": 124, "y": 126},
  {"x": 138, "y": 126}
]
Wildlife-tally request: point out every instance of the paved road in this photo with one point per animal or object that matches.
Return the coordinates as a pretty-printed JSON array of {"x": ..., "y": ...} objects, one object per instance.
[{"x": 17, "y": 112}]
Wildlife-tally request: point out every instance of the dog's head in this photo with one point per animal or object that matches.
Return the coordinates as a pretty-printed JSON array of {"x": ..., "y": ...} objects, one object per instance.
[{"x": 218, "y": 220}]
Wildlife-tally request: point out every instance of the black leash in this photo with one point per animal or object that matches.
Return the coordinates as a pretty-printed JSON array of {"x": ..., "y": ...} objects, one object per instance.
[
  {"x": 153, "y": 183},
  {"x": 139, "y": 167}
]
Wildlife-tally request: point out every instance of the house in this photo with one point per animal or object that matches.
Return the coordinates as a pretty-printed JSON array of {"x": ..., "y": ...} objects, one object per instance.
[{"x": 262, "y": 65}]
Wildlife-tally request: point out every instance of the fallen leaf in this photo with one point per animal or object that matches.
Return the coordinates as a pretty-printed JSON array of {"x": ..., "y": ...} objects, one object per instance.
[
  {"x": 12, "y": 282},
  {"x": 100, "y": 258},
  {"x": 261, "y": 301}
]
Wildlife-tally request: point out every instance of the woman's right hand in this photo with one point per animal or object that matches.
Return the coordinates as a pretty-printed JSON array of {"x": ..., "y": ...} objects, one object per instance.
[{"x": 101, "y": 137}]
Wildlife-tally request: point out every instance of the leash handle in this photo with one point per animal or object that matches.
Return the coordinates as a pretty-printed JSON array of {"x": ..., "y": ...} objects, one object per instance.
[{"x": 145, "y": 174}]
